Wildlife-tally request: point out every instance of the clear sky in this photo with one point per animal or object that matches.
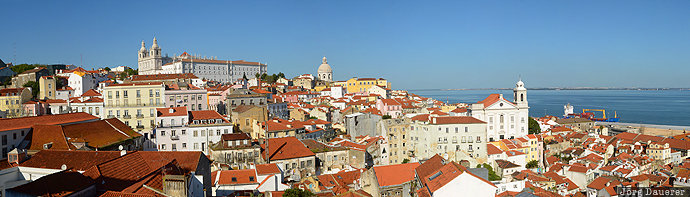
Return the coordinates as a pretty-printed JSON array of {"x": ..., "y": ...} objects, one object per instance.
[{"x": 414, "y": 44}]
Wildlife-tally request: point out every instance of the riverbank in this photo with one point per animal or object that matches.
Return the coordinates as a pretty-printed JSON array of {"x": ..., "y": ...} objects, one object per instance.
[{"x": 651, "y": 129}]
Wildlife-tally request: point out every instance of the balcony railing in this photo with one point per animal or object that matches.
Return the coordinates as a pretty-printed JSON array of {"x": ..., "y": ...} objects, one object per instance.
[
  {"x": 111, "y": 116},
  {"x": 140, "y": 126},
  {"x": 126, "y": 116},
  {"x": 140, "y": 115},
  {"x": 175, "y": 137}
]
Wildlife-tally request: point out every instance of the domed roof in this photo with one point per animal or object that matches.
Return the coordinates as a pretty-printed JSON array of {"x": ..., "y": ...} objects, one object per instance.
[
  {"x": 325, "y": 68},
  {"x": 520, "y": 85},
  {"x": 143, "y": 46},
  {"x": 155, "y": 44}
]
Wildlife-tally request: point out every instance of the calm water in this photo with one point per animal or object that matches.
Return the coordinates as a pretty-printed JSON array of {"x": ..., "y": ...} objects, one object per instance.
[{"x": 668, "y": 107}]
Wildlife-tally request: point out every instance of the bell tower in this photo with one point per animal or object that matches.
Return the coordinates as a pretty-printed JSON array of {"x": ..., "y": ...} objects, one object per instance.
[{"x": 520, "y": 94}]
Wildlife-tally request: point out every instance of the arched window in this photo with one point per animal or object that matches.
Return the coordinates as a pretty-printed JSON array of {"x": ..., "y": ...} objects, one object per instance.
[{"x": 522, "y": 97}]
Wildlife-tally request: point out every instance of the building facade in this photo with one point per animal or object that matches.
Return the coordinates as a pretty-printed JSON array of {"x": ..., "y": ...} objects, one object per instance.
[
  {"x": 134, "y": 103},
  {"x": 505, "y": 119},
  {"x": 151, "y": 62},
  {"x": 325, "y": 72}
]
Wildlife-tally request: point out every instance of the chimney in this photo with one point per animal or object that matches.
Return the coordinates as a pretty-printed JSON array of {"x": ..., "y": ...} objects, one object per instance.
[{"x": 171, "y": 110}]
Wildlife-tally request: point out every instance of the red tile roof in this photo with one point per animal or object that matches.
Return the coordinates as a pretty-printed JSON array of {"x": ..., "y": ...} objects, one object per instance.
[
  {"x": 285, "y": 148},
  {"x": 91, "y": 92},
  {"x": 270, "y": 168},
  {"x": 491, "y": 99},
  {"x": 395, "y": 174},
  {"x": 63, "y": 183},
  {"x": 456, "y": 120},
  {"x": 235, "y": 177},
  {"x": 164, "y": 77},
  {"x": 77, "y": 160},
  {"x": 137, "y": 84},
  {"x": 206, "y": 115},
  {"x": 27, "y": 122},
  {"x": 177, "y": 111},
  {"x": 492, "y": 150}
]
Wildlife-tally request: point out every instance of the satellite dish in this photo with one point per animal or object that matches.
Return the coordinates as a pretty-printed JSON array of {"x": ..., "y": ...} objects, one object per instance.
[{"x": 63, "y": 167}]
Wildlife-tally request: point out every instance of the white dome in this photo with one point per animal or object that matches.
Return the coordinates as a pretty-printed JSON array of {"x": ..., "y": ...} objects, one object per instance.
[
  {"x": 143, "y": 46},
  {"x": 520, "y": 85},
  {"x": 324, "y": 67}
]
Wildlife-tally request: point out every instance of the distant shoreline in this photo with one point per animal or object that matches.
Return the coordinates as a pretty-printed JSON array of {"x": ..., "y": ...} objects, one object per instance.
[{"x": 576, "y": 88}]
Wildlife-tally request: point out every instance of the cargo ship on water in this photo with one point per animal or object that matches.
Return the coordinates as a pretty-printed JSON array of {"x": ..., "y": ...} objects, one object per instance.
[{"x": 589, "y": 114}]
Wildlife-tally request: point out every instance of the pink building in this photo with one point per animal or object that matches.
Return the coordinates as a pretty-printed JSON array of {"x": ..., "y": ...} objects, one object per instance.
[{"x": 389, "y": 107}]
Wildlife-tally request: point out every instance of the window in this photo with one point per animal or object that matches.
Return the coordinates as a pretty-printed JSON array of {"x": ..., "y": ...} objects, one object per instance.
[
  {"x": 14, "y": 135},
  {"x": 150, "y": 93},
  {"x": 479, "y": 139},
  {"x": 467, "y": 129},
  {"x": 196, "y": 145},
  {"x": 196, "y": 133},
  {"x": 138, "y": 93},
  {"x": 157, "y": 93},
  {"x": 4, "y": 140},
  {"x": 446, "y": 130},
  {"x": 162, "y": 146},
  {"x": 162, "y": 133},
  {"x": 124, "y": 93},
  {"x": 184, "y": 132}
]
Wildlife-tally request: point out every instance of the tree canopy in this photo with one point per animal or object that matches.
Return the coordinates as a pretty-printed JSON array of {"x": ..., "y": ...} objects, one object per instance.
[
  {"x": 492, "y": 174},
  {"x": 533, "y": 126},
  {"x": 24, "y": 67},
  {"x": 532, "y": 164},
  {"x": 34, "y": 88},
  {"x": 296, "y": 192}
]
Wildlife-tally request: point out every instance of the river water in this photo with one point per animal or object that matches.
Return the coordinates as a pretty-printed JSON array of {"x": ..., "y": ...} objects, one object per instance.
[{"x": 665, "y": 107}]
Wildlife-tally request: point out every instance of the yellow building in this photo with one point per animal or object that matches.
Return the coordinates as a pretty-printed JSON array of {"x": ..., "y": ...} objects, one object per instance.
[
  {"x": 47, "y": 87},
  {"x": 363, "y": 84},
  {"x": 134, "y": 103},
  {"x": 11, "y": 100}
]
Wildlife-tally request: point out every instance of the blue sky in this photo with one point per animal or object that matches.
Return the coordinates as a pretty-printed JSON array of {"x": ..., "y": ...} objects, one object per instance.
[{"x": 414, "y": 44}]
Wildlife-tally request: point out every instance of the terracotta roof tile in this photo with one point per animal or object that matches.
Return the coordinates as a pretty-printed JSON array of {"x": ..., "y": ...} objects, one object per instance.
[
  {"x": 271, "y": 168},
  {"x": 285, "y": 148},
  {"x": 395, "y": 174},
  {"x": 77, "y": 160},
  {"x": 27, "y": 122}
]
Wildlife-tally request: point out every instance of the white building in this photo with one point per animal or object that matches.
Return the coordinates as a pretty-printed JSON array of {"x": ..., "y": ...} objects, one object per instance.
[
  {"x": 454, "y": 137},
  {"x": 505, "y": 119},
  {"x": 180, "y": 130},
  {"x": 152, "y": 62},
  {"x": 325, "y": 72},
  {"x": 81, "y": 80}
]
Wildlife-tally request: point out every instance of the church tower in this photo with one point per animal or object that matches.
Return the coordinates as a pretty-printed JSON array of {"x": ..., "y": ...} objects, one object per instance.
[
  {"x": 325, "y": 73},
  {"x": 142, "y": 51},
  {"x": 151, "y": 61},
  {"x": 520, "y": 94}
]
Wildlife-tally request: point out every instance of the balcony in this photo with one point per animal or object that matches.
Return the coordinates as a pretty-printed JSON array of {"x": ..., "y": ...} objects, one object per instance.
[
  {"x": 175, "y": 137},
  {"x": 140, "y": 126},
  {"x": 126, "y": 116},
  {"x": 140, "y": 115},
  {"x": 111, "y": 116},
  {"x": 470, "y": 150}
]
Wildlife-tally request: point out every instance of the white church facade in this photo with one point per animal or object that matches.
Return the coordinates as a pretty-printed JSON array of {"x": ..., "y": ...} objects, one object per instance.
[
  {"x": 152, "y": 62},
  {"x": 504, "y": 119}
]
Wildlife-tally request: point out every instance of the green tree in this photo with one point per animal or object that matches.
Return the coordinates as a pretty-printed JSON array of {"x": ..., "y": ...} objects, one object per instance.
[
  {"x": 386, "y": 117},
  {"x": 296, "y": 192},
  {"x": 281, "y": 75},
  {"x": 24, "y": 67},
  {"x": 106, "y": 68},
  {"x": 34, "y": 88},
  {"x": 532, "y": 164},
  {"x": 406, "y": 160},
  {"x": 492, "y": 174},
  {"x": 533, "y": 126}
]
